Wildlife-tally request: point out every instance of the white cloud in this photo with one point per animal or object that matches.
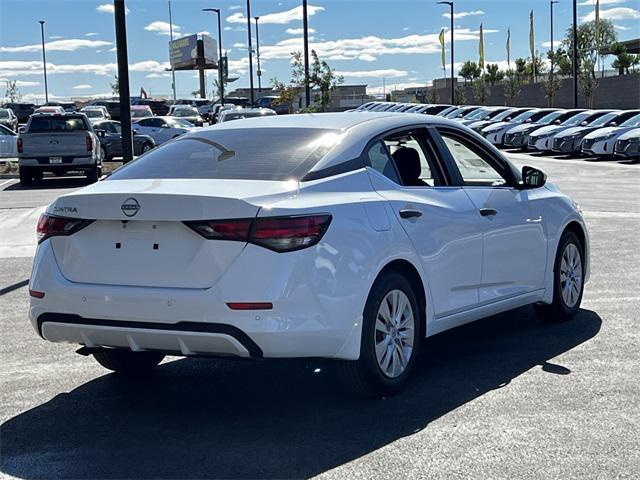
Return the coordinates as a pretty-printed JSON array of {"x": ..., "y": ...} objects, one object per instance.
[
  {"x": 463, "y": 14},
  {"x": 114, "y": 49},
  {"x": 157, "y": 75},
  {"x": 388, "y": 73},
  {"x": 70, "y": 45},
  {"x": 108, "y": 8},
  {"x": 622, "y": 27},
  {"x": 91, "y": 34},
  {"x": 618, "y": 13},
  {"x": 280, "y": 18},
  {"x": 162, "y": 28},
  {"x": 227, "y": 29},
  {"x": 298, "y": 31},
  {"x": 235, "y": 7},
  {"x": 82, "y": 86},
  {"x": 11, "y": 69},
  {"x": 20, "y": 83},
  {"x": 602, "y": 2},
  {"x": 556, "y": 44},
  {"x": 55, "y": 37}
]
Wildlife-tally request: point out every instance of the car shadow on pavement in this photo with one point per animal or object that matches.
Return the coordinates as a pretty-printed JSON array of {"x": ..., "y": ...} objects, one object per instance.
[
  {"x": 51, "y": 182},
  {"x": 203, "y": 418}
]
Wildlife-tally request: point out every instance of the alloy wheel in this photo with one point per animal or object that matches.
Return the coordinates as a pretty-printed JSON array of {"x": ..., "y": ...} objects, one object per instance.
[
  {"x": 394, "y": 333},
  {"x": 571, "y": 275}
]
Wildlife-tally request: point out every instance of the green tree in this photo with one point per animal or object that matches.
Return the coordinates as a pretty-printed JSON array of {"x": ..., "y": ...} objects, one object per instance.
[
  {"x": 469, "y": 71},
  {"x": 521, "y": 69},
  {"x": 12, "y": 92},
  {"x": 460, "y": 97},
  {"x": 540, "y": 67},
  {"x": 551, "y": 85},
  {"x": 587, "y": 43},
  {"x": 512, "y": 83},
  {"x": 561, "y": 62},
  {"x": 323, "y": 77},
  {"x": 480, "y": 90},
  {"x": 289, "y": 93},
  {"x": 587, "y": 82},
  {"x": 494, "y": 74},
  {"x": 624, "y": 60},
  {"x": 115, "y": 86},
  {"x": 432, "y": 95}
]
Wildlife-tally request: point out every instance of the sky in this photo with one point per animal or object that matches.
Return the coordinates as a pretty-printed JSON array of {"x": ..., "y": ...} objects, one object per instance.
[{"x": 373, "y": 42}]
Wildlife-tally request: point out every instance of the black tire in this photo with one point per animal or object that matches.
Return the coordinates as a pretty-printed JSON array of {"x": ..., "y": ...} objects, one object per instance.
[
  {"x": 37, "y": 175},
  {"x": 26, "y": 180},
  {"x": 127, "y": 362},
  {"x": 103, "y": 154},
  {"x": 364, "y": 376},
  {"x": 559, "y": 310},
  {"x": 94, "y": 174},
  {"x": 146, "y": 147}
]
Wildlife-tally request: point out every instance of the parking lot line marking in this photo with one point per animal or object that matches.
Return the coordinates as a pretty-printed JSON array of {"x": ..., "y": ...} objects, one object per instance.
[{"x": 2, "y": 184}]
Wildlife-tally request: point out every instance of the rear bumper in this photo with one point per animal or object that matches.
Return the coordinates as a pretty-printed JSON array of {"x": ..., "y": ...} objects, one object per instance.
[
  {"x": 68, "y": 162},
  {"x": 197, "y": 321}
]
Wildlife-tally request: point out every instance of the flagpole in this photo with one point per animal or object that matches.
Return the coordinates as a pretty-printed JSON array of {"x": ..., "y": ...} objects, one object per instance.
[{"x": 173, "y": 70}]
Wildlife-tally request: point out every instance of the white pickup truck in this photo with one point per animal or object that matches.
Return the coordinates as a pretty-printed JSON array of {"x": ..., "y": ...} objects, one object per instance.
[{"x": 58, "y": 143}]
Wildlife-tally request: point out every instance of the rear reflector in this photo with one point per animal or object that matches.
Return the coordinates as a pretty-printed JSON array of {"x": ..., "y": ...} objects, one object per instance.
[
  {"x": 89, "y": 142},
  {"x": 52, "y": 226},
  {"x": 281, "y": 234},
  {"x": 19, "y": 145},
  {"x": 250, "y": 306},
  {"x": 36, "y": 294}
]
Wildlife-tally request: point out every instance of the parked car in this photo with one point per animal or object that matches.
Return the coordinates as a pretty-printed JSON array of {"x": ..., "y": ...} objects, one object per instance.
[
  {"x": 495, "y": 132},
  {"x": 505, "y": 116},
  {"x": 58, "y": 143},
  {"x": 158, "y": 106},
  {"x": 271, "y": 101},
  {"x": 110, "y": 134},
  {"x": 21, "y": 110},
  {"x": 240, "y": 113},
  {"x": 367, "y": 106},
  {"x": 483, "y": 114},
  {"x": 271, "y": 239},
  {"x": 602, "y": 141},
  {"x": 66, "y": 106},
  {"x": 188, "y": 113},
  {"x": 96, "y": 113},
  {"x": 569, "y": 141},
  {"x": 49, "y": 109},
  {"x": 237, "y": 101},
  {"x": 141, "y": 111},
  {"x": 8, "y": 143},
  {"x": 384, "y": 107},
  {"x": 8, "y": 119},
  {"x": 542, "y": 139},
  {"x": 162, "y": 129},
  {"x": 462, "y": 112},
  {"x": 112, "y": 106},
  {"x": 217, "y": 108},
  {"x": 446, "y": 111},
  {"x": 628, "y": 145},
  {"x": 518, "y": 136}
]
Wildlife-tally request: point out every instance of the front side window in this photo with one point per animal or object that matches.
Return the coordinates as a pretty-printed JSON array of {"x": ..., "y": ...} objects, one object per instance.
[
  {"x": 474, "y": 169},
  {"x": 258, "y": 154}
]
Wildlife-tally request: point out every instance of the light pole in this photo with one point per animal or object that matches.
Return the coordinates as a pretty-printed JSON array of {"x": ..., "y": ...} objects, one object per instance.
[
  {"x": 173, "y": 70},
  {"x": 44, "y": 63},
  {"x": 551, "y": 3},
  {"x": 250, "y": 51},
  {"x": 258, "y": 56},
  {"x": 220, "y": 72},
  {"x": 574, "y": 68},
  {"x": 452, "y": 56},
  {"x": 123, "y": 80},
  {"x": 305, "y": 28}
]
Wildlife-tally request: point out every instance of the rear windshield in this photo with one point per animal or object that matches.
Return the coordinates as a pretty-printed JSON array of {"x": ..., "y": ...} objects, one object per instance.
[
  {"x": 4, "y": 113},
  {"x": 632, "y": 122},
  {"x": 56, "y": 124},
  {"x": 259, "y": 154},
  {"x": 94, "y": 113},
  {"x": 240, "y": 115}
]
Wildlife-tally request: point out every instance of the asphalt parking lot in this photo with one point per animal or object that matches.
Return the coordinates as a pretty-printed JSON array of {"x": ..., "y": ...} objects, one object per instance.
[{"x": 507, "y": 397}]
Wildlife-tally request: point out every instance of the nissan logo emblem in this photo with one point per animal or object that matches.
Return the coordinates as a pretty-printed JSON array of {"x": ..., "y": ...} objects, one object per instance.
[{"x": 130, "y": 207}]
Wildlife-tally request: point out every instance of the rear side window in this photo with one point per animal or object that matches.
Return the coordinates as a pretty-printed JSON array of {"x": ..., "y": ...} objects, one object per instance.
[
  {"x": 56, "y": 124},
  {"x": 257, "y": 154}
]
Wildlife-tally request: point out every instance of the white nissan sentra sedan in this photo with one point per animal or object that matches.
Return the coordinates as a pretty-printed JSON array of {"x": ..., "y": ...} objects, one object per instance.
[{"x": 348, "y": 236}]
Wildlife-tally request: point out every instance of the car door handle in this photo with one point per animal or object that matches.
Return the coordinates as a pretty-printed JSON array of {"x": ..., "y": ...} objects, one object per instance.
[
  {"x": 488, "y": 212},
  {"x": 407, "y": 213}
]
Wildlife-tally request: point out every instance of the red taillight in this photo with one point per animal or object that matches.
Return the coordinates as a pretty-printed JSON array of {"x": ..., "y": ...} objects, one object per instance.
[
  {"x": 36, "y": 294},
  {"x": 285, "y": 234},
  {"x": 281, "y": 234},
  {"x": 51, "y": 226},
  {"x": 19, "y": 145},
  {"x": 222, "y": 229},
  {"x": 89, "y": 142},
  {"x": 250, "y": 305}
]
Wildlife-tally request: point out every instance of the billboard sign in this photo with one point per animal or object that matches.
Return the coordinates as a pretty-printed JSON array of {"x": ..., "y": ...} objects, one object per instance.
[
  {"x": 183, "y": 52},
  {"x": 210, "y": 49}
]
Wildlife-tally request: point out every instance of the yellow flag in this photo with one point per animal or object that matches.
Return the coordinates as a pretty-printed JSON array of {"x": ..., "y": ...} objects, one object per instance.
[
  {"x": 481, "y": 50},
  {"x": 532, "y": 44},
  {"x": 597, "y": 26},
  {"x": 509, "y": 47},
  {"x": 441, "y": 38}
]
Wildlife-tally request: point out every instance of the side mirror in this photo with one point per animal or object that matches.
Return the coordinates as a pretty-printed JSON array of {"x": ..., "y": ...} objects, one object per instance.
[
  {"x": 557, "y": 122},
  {"x": 165, "y": 126},
  {"x": 101, "y": 133},
  {"x": 22, "y": 129},
  {"x": 528, "y": 120},
  {"x": 583, "y": 123},
  {"x": 613, "y": 124},
  {"x": 532, "y": 178}
]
